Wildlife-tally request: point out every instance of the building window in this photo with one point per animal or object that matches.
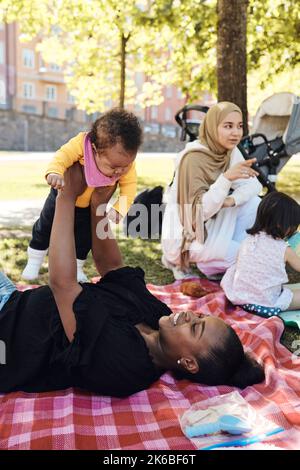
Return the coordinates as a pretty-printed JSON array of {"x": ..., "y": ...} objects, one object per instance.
[
  {"x": 139, "y": 80},
  {"x": 1, "y": 53},
  {"x": 151, "y": 128},
  {"x": 154, "y": 112},
  {"x": 42, "y": 65},
  {"x": 52, "y": 112},
  {"x": 138, "y": 110},
  {"x": 108, "y": 103},
  {"x": 51, "y": 93},
  {"x": 69, "y": 113},
  {"x": 29, "y": 109},
  {"x": 2, "y": 92},
  {"x": 55, "y": 68},
  {"x": 28, "y": 91},
  {"x": 179, "y": 94},
  {"x": 70, "y": 98},
  {"x": 169, "y": 92},
  {"x": 168, "y": 114},
  {"x": 168, "y": 131},
  {"x": 28, "y": 58}
]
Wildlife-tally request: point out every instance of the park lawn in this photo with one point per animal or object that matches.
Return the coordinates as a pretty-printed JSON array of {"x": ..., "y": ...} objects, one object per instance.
[
  {"x": 22, "y": 180},
  {"x": 25, "y": 180},
  {"x": 289, "y": 178}
]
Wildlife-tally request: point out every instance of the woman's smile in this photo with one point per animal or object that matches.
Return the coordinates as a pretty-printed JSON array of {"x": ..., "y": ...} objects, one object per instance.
[
  {"x": 173, "y": 318},
  {"x": 176, "y": 316}
]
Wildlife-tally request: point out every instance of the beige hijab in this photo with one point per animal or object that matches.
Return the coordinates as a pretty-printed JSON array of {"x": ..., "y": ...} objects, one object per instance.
[{"x": 197, "y": 171}]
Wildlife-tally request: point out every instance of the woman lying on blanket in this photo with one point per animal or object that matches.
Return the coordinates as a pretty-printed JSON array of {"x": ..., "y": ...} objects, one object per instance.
[{"x": 114, "y": 337}]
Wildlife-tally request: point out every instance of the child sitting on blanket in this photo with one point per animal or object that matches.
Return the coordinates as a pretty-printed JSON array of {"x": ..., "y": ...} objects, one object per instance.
[
  {"x": 107, "y": 153},
  {"x": 256, "y": 280}
]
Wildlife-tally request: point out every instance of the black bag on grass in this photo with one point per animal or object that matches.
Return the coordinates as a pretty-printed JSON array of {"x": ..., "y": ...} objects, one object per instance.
[{"x": 144, "y": 218}]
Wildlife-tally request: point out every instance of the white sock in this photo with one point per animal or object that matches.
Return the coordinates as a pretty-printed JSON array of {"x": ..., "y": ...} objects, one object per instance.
[
  {"x": 178, "y": 274},
  {"x": 81, "y": 277},
  {"x": 34, "y": 263}
]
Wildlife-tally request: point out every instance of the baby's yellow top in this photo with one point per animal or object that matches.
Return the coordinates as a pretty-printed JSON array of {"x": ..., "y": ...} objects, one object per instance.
[{"x": 72, "y": 152}]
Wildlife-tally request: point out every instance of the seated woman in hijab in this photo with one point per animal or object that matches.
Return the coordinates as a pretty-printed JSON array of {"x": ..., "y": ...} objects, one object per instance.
[
  {"x": 213, "y": 199},
  {"x": 114, "y": 337}
]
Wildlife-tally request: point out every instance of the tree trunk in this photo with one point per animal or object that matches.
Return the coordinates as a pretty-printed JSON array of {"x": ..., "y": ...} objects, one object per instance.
[
  {"x": 232, "y": 54},
  {"x": 124, "y": 41}
]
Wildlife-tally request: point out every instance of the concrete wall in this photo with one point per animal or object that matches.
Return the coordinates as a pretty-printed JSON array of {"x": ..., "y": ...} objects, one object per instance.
[{"x": 29, "y": 132}]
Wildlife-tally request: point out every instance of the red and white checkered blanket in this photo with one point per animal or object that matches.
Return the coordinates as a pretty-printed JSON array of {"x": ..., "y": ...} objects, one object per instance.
[{"x": 71, "y": 419}]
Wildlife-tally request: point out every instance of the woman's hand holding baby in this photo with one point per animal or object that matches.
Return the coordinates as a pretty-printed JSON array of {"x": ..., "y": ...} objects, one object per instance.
[
  {"x": 75, "y": 183},
  {"x": 114, "y": 216}
]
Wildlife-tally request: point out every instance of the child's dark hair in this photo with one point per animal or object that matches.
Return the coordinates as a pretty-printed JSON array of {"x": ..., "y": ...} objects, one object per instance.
[
  {"x": 278, "y": 215},
  {"x": 226, "y": 364},
  {"x": 117, "y": 126}
]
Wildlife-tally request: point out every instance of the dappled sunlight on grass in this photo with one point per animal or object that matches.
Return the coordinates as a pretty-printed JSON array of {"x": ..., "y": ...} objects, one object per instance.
[
  {"x": 143, "y": 253},
  {"x": 146, "y": 254},
  {"x": 289, "y": 180}
]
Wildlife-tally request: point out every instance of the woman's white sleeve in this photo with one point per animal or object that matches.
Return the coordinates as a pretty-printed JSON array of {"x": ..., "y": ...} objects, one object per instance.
[
  {"x": 213, "y": 199},
  {"x": 246, "y": 190}
]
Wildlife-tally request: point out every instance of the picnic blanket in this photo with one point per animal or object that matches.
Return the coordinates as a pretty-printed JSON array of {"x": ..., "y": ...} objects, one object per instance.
[{"x": 72, "y": 419}]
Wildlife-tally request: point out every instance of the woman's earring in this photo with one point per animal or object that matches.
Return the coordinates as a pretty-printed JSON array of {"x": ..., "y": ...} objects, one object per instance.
[{"x": 178, "y": 362}]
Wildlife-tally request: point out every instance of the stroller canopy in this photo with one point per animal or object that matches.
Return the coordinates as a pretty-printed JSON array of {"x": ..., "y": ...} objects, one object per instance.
[{"x": 279, "y": 116}]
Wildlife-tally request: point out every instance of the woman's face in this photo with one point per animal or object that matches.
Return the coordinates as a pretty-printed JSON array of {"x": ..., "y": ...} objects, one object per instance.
[
  {"x": 187, "y": 334},
  {"x": 230, "y": 130}
]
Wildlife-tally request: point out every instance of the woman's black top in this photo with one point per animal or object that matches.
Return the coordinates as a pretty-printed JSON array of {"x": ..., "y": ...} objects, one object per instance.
[{"x": 108, "y": 355}]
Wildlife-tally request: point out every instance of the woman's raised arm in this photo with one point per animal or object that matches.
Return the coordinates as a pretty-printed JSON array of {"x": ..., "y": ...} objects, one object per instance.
[{"x": 62, "y": 255}]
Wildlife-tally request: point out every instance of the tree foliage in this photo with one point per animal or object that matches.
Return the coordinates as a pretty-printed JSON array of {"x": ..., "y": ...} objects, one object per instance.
[
  {"x": 274, "y": 33},
  {"x": 192, "y": 47},
  {"x": 86, "y": 37},
  {"x": 169, "y": 41}
]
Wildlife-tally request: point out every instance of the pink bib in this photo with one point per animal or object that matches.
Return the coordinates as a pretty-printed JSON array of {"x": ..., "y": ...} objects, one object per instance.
[{"x": 93, "y": 175}]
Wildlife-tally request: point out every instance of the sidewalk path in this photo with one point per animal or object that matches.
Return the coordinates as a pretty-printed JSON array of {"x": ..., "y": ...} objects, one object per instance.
[{"x": 20, "y": 213}]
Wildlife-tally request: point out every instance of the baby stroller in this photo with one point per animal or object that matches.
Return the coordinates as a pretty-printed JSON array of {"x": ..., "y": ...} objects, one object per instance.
[
  {"x": 141, "y": 221},
  {"x": 275, "y": 135}
]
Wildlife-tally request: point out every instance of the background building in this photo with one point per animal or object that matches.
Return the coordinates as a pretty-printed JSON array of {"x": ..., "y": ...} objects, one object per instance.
[
  {"x": 39, "y": 113},
  {"x": 28, "y": 84}
]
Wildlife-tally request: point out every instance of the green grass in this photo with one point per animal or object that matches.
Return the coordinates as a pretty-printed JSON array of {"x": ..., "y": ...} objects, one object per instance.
[
  {"x": 289, "y": 179},
  {"x": 22, "y": 180},
  {"x": 25, "y": 180},
  {"x": 144, "y": 253}
]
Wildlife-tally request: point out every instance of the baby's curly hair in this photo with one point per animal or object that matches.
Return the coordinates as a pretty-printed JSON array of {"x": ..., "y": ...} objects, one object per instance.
[{"x": 117, "y": 126}]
